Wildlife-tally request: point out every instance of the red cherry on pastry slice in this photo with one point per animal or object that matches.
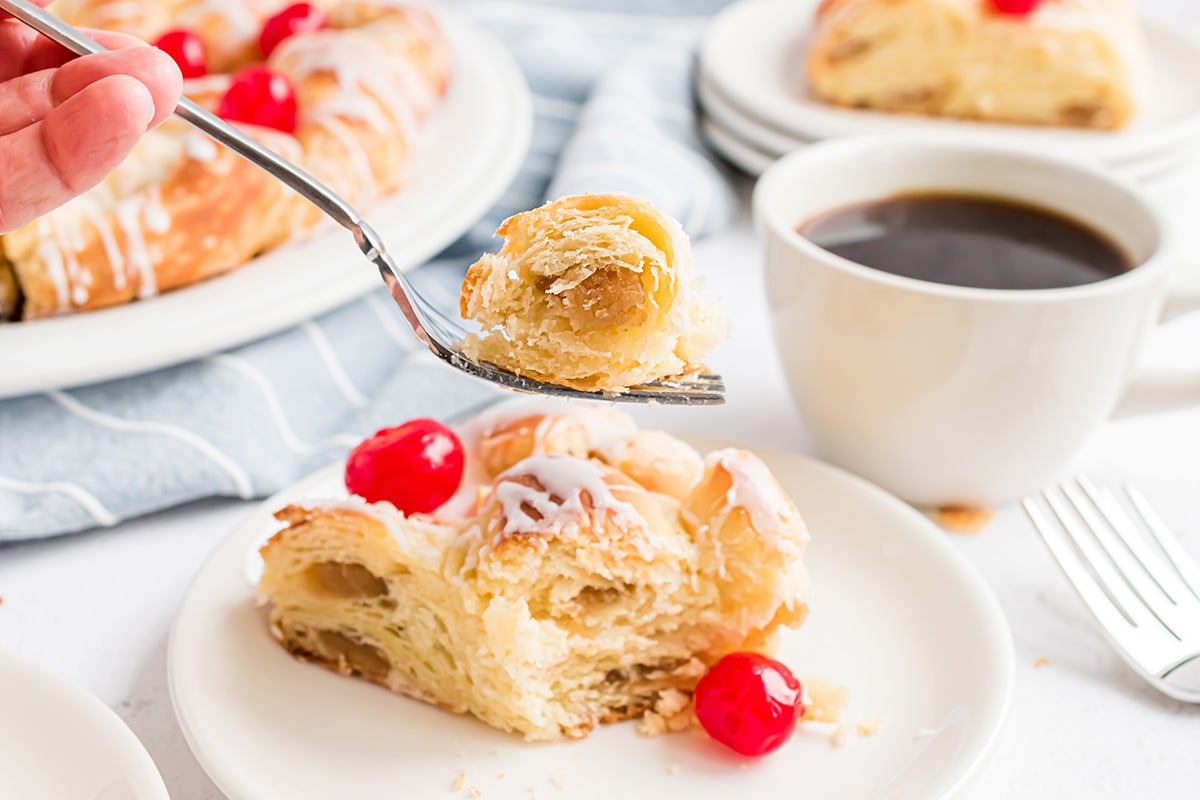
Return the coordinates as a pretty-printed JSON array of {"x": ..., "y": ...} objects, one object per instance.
[
  {"x": 296, "y": 18},
  {"x": 1015, "y": 7},
  {"x": 188, "y": 51},
  {"x": 416, "y": 466},
  {"x": 258, "y": 96},
  {"x": 749, "y": 703}
]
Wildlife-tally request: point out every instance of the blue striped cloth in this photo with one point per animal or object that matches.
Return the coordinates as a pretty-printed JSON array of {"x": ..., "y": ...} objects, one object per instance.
[{"x": 614, "y": 112}]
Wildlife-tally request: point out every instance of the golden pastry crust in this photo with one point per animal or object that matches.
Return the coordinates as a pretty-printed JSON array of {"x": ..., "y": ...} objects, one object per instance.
[
  {"x": 1076, "y": 63},
  {"x": 176, "y": 212},
  {"x": 183, "y": 209},
  {"x": 575, "y": 596},
  {"x": 595, "y": 292}
]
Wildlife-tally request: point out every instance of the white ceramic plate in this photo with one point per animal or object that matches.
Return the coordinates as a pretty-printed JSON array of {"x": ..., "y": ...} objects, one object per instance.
[
  {"x": 59, "y": 742},
  {"x": 753, "y": 54},
  {"x": 753, "y": 157},
  {"x": 742, "y": 154},
  {"x": 727, "y": 115},
  {"x": 901, "y": 618},
  {"x": 459, "y": 168}
]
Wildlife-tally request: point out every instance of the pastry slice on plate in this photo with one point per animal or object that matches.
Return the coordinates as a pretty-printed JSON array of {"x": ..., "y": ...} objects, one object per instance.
[
  {"x": 595, "y": 292},
  {"x": 566, "y": 594},
  {"x": 1075, "y": 63}
]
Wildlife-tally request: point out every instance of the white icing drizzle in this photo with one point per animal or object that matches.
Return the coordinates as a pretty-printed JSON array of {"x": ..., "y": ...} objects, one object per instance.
[
  {"x": 605, "y": 429},
  {"x": 111, "y": 12},
  {"x": 199, "y": 147},
  {"x": 421, "y": 24},
  {"x": 564, "y": 480},
  {"x": 49, "y": 252},
  {"x": 374, "y": 87},
  {"x": 394, "y": 520},
  {"x": 209, "y": 84},
  {"x": 103, "y": 227},
  {"x": 239, "y": 16},
  {"x": 128, "y": 213},
  {"x": 71, "y": 241},
  {"x": 753, "y": 489},
  {"x": 360, "y": 162},
  {"x": 383, "y": 512},
  {"x": 157, "y": 218}
]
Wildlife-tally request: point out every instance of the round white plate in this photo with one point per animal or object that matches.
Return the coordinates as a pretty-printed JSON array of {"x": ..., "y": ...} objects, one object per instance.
[
  {"x": 459, "y": 168},
  {"x": 753, "y": 54},
  {"x": 59, "y": 742},
  {"x": 736, "y": 121},
  {"x": 900, "y": 617},
  {"x": 743, "y": 155},
  {"x": 754, "y": 158}
]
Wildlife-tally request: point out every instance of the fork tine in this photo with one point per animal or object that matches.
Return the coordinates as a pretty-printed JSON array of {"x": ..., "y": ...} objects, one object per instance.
[
  {"x": 1185, "y": 567},
  {"x": 1129, "y": 568},
  {"x": 444, "y": 337},
  {"x": 1153, "y": 564},
  {"x": 1106, "y": 576},
  {"x": 1116, "y": 624},
  {"x": 711, "y": 383}
]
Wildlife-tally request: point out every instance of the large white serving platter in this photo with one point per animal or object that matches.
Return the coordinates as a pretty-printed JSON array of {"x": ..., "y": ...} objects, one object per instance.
[{"x": 465, "y": 159}]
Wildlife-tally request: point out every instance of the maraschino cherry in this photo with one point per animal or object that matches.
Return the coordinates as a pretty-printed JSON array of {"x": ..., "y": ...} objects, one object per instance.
[
  {"x": 1015, "y": 7},
  {"x": 296, "y": 18},
  {"x": 261, "y": 97},
  {"x": 187, "y": 50},
  {"x": 416, "y": 466},
  {"x": 749, "y": 703}
]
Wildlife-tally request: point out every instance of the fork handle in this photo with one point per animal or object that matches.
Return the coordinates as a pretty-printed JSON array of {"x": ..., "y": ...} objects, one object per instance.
[{"x": 306, "y": 185}]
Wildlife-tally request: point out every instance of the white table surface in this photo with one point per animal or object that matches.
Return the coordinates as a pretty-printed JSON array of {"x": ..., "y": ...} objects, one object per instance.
[{"x": 97, "y": 608}]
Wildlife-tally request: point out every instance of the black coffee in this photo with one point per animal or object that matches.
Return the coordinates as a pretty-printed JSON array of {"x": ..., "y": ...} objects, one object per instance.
[{"x": 966, "y": 240}]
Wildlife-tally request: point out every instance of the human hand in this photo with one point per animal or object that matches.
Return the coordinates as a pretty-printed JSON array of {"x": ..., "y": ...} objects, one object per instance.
[{"x": 66, "y": 122}]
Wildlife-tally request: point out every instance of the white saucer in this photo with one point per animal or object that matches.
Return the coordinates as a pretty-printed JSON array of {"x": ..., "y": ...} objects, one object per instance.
[
  {"x": 753, "y": 53},
  {"x": 458, "y": 170},
  {"x": 57, "y": 742},
  {"x": 901, "y": 618}
]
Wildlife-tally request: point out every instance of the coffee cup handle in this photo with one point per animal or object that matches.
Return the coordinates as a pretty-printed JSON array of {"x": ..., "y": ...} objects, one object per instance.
[{"x": 1161, "y": 389}]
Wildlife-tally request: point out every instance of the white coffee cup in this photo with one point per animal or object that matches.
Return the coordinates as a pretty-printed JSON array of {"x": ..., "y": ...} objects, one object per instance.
[{"x": 942, "y": 394}]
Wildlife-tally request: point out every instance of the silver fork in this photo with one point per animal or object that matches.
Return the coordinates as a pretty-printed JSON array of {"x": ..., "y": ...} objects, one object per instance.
[
  {"x": 1136, "y": 578},
  {"x": 438, "y": 332}
]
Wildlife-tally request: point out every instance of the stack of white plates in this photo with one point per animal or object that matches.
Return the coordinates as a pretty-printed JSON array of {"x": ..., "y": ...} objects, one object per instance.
[{"x": 757, "y": 106}]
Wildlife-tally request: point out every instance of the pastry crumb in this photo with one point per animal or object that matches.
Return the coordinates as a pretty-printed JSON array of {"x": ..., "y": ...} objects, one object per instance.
[
  {"x": 826, "y": 699},
  {"x": 1041, "y": 661},
  {"x": 841, "y": 736},
  {"x": 868, "y": 727},
  {"x": 963, "y": 519},
  {"x": 674, "y": 769},
  {"x": 672, "y": 712},
  {"x": 499, "y": 776},
  {"x": 460, "y": 782},
  {"x": 558, "y": 780},
  {"x": 474, "y": 792}
]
